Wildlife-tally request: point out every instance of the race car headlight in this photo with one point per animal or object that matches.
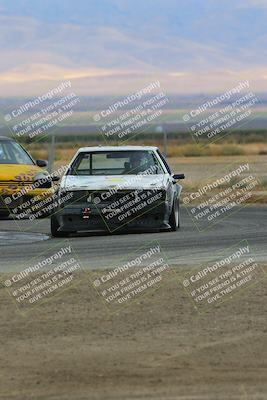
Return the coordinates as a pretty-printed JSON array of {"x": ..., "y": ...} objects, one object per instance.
[{"x": 42, "y": 181}]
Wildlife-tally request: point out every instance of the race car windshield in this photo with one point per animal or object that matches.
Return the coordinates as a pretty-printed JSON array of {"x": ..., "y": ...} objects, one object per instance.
[
  {"x": 116, "y": 163},
  {"x": 12, "y": 153}
]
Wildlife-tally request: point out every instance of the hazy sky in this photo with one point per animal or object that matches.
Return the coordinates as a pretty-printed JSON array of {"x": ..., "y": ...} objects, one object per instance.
[{"x": 118, "y": 46}]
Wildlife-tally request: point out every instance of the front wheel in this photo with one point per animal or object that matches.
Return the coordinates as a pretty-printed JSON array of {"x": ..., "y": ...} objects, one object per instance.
[
  {"x": 174, "y": 220},
  {"x": 4, "y": 214}
]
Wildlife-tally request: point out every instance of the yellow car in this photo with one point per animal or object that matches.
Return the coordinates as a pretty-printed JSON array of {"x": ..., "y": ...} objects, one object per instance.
[{"x": 25, "y": 188}]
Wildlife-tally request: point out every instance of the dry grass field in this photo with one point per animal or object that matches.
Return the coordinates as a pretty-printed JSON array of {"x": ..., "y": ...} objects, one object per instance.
[
  {"x": 197, "y": 163},
  {"x": 65, "y": 151}
]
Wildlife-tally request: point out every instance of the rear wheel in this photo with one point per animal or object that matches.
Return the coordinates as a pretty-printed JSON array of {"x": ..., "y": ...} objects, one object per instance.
[
  {"x": 54, "y": 225},
  {"x": 174, "y": 220}
]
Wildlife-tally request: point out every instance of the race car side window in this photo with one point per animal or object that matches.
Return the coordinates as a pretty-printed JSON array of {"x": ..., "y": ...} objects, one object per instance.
[
  {"x": 164, "y": 162},
  {"x": 3, "y": 154}
]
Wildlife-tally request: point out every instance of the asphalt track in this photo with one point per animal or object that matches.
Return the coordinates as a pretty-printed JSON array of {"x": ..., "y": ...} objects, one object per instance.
[{"x": 187, "y": 246}]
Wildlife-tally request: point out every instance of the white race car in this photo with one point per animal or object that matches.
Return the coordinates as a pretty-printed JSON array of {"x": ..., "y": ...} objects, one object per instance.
[{"x": 117, "y": 188}]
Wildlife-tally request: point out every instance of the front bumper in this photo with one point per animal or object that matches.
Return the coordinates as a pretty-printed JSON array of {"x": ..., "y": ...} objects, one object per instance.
[
  {"x": 12, "y": 202},
  {"x": 71, "y": 219}
]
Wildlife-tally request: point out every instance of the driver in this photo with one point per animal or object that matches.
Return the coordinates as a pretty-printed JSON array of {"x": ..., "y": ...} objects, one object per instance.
[{"x": 137, "y": 162}]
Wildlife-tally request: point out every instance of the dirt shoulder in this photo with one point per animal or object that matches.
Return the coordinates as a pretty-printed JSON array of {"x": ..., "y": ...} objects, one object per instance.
[{"x": 160, "y": 347}]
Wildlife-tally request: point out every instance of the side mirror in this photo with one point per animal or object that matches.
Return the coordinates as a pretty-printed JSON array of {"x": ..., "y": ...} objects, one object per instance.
[
  {"x": 41, "y": 163},
  {"x": 176, "y": 177},
  {"x": 55, "y": 178}
]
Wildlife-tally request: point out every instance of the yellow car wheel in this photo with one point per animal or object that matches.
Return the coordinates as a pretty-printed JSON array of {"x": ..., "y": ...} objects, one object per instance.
[{"x": 4, "y": 214}]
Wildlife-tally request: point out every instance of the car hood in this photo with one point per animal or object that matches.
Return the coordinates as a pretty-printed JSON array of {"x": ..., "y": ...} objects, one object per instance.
[
  {"x": 71, "y": 182},
  {"x": 18, "y": 172}
]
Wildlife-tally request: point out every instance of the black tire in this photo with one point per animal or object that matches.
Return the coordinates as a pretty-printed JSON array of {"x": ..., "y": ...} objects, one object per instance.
[
  {"x": 54, "y": 225},
  {"x": 174, "y": 219},
  {"x": 4, "y": 214}
]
